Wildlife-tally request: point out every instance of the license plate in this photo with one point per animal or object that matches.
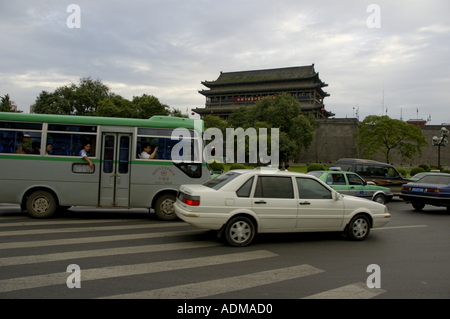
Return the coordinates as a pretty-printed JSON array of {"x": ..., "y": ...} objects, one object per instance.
[{"x": 416, "y": 189}]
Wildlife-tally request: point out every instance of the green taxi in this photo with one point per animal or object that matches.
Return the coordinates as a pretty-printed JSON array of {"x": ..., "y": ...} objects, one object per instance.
[{"x": 349, "y": 183}]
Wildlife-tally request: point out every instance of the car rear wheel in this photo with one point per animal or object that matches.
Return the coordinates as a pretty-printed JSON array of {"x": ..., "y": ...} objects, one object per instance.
[
  {"x": 418, "y": 206},
  {"x": 239, "y": 231},
  {"x": 380, "y": 198},
  {"x": 358, "y": 228}
]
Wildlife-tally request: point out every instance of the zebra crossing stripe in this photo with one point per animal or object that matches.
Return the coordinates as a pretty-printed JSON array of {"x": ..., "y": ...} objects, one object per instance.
[
  {"x": 99, "y": 239},
  {"x": 38, "y": 281},
  {"x": 87, "y": 229},
  {"x": 354, "y": 291},
  {"x": 27, "y": 222},
  {"x": 219, "y": 286},
  {"x": 75, "y": 255}
]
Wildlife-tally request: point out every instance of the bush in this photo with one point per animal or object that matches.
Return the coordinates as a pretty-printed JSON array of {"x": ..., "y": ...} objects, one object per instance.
[
  {"x": 237, "y": 166},
  {"x": 315, "y": 167},
  {"x": 402, "y": 171},
  {"x": 416, "y": 170},
  {"x": 216, "y": 166},
  {"x": 424, "y": 166}
]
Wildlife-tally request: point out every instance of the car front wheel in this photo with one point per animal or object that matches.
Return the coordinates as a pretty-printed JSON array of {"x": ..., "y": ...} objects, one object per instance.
[
  {"x": 239, "y": 231},
  {"x": 358, "y": 228}
]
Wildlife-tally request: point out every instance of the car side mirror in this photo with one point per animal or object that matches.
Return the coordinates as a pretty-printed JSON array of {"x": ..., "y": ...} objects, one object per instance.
[{"x": 335, "y": 195}]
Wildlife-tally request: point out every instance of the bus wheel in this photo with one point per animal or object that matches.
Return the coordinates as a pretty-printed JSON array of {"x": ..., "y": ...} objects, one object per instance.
[
  {"x": 41, "y": 204},
  {"x": 164, "y": 207}
]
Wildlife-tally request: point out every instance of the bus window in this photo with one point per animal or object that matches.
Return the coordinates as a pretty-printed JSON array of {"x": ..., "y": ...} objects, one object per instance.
[
  {"x": 108, "y": 157},
  {"x": 67, "y": 144},
  {"x": 124, "y": 152},
  {"x": 20, "y": 142}
]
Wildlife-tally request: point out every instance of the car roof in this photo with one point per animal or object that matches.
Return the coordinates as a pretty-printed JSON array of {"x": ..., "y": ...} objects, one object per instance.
[
  {"x": 260, "y": 171},
  {"x": 359, "y": 160}
]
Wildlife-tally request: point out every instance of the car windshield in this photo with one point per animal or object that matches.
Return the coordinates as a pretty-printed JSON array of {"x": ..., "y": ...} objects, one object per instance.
[
  {"x": 433, "y": 179},
  {"x": 221, "y": 180},
  {"x": 316, "y": 174}
]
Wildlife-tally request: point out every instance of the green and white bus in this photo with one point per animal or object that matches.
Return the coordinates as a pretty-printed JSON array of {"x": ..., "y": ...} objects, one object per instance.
[{"x": 42, "y": 167}]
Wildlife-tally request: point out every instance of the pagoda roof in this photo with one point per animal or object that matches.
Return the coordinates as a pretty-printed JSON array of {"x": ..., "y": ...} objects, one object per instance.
[
  {"x": 263, "y": 89},
  {"x": 267, "y": 75}
]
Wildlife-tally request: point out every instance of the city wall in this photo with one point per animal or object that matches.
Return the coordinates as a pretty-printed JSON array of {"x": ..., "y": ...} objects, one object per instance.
[{"x": 335, "y": 139}]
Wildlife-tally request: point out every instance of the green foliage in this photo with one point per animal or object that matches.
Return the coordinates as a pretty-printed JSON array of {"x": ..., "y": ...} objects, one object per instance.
[
  {"x": 73, "y": 99},
  {"x": 237, "y": 166},
  {"x": 216, "y": 166},
  {"x": 402, "y": 171},
  {"x": 93, "y": 98},
  {"x": 315, "y": 167},
  {"x": 424, "y": 166},
  {"x": 283, "y": 112},
  {"x": 416, "y": 170},
  {"x": 5, "y": 105},
  {"x": 383, "y": 134}
]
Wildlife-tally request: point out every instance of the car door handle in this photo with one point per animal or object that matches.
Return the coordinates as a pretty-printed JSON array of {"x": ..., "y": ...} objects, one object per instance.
[
  {"x": 305, "y": 203},
  {"x": 260, "y": 202}
]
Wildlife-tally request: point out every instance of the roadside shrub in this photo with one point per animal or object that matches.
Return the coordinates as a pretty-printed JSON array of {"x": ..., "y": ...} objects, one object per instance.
[
  {"x": 237, "y": 166},
  {"x": 402, "y": 171},
  {"x": 216, "y": 166},
  {"x": 424, "y": 166},
  {"x": 416, "y": 170},
  {"x": 315, "y": 167}
]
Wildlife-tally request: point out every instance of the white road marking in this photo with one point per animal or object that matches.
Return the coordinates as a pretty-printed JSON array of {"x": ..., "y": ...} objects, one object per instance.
[
  {"x": 354, "y": 291},
  {"x": 128, "y": 270},
  {"x": 218, "y": 286},
  {"x": 75, "y": 255}
]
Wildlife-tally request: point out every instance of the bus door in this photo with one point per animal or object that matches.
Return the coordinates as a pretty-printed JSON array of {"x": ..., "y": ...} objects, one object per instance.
[{"x": 115, "y": 170}]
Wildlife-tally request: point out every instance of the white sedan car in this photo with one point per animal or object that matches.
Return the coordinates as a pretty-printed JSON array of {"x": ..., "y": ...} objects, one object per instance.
[{"x": 241, "y": 203}]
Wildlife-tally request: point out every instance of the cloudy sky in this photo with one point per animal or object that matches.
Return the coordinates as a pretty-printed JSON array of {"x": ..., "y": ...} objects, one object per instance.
[{"x": 166, "y": 48}]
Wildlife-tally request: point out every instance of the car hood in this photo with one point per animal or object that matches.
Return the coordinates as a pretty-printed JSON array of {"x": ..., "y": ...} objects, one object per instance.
[{"x": 360, "y": 201}]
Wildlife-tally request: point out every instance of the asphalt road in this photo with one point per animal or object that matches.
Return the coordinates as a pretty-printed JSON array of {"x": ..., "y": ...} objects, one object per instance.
[{"x": 130, "y": 254}]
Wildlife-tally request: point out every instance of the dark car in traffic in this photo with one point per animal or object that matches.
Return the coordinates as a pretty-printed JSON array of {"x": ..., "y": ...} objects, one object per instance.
[
  {"x": 381, "y": 174},
  {"x": 429, "y": 190}
]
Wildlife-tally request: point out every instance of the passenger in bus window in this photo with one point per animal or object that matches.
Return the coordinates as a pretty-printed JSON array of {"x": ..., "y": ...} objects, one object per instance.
[
  {"x": 48, "y": 149},
  {"x": 148, "y": 151},
  {"x": 20, "y": 149},
  {"x": 84, "y": 153},
  {"x": 36, "y": 148}
]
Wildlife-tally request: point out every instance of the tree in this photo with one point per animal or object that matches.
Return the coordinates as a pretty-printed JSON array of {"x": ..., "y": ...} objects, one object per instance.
[
  {"x": 73, "y": 99},
  {"x": 145, "y": 106},
  {"x": 383, "y": 134},
  {"x": 6, "y": 105},
  {"x": 284, "y": 112}
]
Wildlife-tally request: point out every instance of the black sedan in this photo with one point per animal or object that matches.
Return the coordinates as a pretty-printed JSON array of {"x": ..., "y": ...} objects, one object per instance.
[{"x": 429, "y": 190}]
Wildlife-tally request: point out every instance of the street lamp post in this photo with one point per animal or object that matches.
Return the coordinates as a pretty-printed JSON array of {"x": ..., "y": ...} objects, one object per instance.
[{"x": 440, "y": 141}]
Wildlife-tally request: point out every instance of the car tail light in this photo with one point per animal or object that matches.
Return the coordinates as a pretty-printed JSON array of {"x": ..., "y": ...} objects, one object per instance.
[
  {"x": 406, "y": 188},
  {"x": 191, "y": 200},
  {"x": 432, "y": 190}
]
